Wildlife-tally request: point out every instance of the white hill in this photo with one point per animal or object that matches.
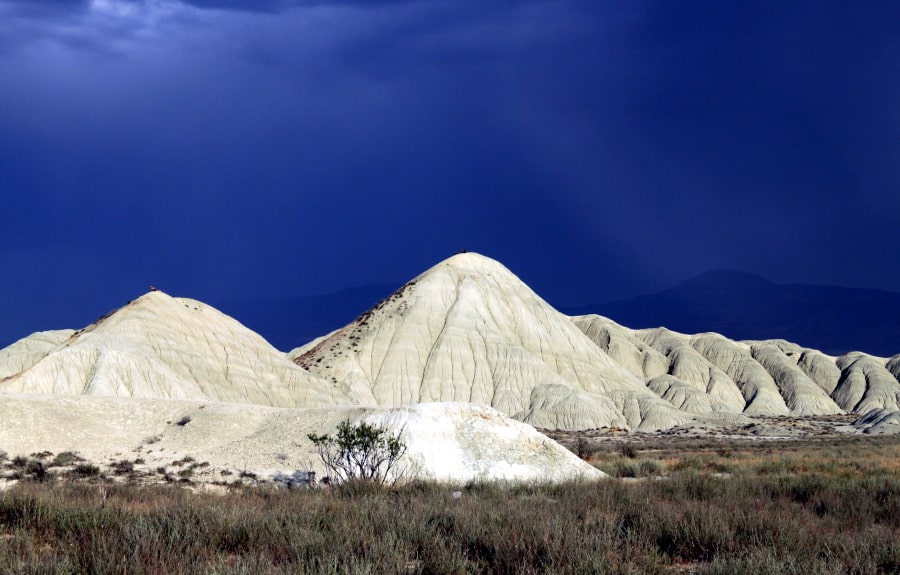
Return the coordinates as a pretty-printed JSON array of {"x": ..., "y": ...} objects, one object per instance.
[
  {"x": 450, "y": 442},
  {"x": 708, "y": 373},
  {"x": 461, "y": 442},
  {"x": 469, "y": 330},
  {"x": 866, "y": 384},
  {"x": 29, "y": 350},
  {"x": 162, "y": 347},
  {"x": 449, "y": 358},
  {"x": 163, "y": 378}
]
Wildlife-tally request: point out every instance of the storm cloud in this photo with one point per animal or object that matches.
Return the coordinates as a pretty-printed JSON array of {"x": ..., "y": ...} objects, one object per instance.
[{"x": 229, "y": 149}]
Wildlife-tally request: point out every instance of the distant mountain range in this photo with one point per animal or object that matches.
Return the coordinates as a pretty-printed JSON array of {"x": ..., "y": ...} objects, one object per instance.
[{"x": 739, "y": 305}]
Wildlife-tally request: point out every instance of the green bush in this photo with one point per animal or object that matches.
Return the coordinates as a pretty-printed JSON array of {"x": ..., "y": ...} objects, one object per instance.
[{"x": 360, "y": 453}]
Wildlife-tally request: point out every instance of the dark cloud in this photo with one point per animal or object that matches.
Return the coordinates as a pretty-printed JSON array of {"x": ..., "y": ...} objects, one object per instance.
[{"x": 597, "y": 149}]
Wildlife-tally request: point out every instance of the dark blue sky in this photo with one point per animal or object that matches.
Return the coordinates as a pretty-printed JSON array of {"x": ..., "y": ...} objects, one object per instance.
[{"x": 222, "y": 149}]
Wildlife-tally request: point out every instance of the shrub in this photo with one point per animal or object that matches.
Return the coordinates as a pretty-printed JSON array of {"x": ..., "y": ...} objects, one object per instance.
[
  {"x": 36, "y": 470},
  {"x": 584, "y": 449},
  {"x": 635, "y": 468},
  {"x": 650, "y": 467},
  {"x": 66, "y": 458},
  {"x": 86, "y": 470},
  {"x": 123, "y": 467},
  {"x": 360, "y": 453}
]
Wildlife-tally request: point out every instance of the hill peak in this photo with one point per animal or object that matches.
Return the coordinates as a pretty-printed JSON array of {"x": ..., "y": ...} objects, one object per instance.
[
  {"x": 469, "y": 330},
  {"x": 471, "y": 262}
]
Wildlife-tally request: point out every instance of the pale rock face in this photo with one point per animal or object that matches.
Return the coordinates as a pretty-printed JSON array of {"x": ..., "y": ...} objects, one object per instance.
[
  {"x": 623, "y": 346},
  {"x": 645, "y": 413},
  {"x": 893, "y": 366},
  {"x": 458, "y": 443},
  {"x": 682, "y": 395},
  {"x": 879, "y": 422},
  {"x": 689, "y": 366},
  {"x": 467, "y": 330},
  {"x": 162, "y": 347},
  {"x": 759, "y": 390},
  {"x": 820, "y": 368},
  {"x": 562, "y": 407},
  {"x": 865, "y": 384},
  {"x": 817, "y": 366},
  {"x": 30, "y": 350},
  {"x": 707, "y": 373},
  {"x": 801, "y": 394}
]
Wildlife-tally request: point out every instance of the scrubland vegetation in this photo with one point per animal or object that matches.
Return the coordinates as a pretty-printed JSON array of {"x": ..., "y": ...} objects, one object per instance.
[{"x": 827, "y": 507}]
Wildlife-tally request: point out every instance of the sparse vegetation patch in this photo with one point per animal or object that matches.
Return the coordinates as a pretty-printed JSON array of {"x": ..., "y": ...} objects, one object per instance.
[{"x": 832, "y": 507}]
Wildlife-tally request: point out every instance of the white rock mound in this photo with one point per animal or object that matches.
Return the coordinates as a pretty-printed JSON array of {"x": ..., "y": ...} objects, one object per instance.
[
  {"x": 711, "y": 376},
  {"x": 801, "y": 394},
  {"x": 29, "y": 350},
  {"x": 447, "y": 442},
  {"x": 865, "y": 384},
  {"x": 168, "y": 348},
  {"x": 624, "y": 346},
  {"x": 469, "y": 330},
  {"x": 759, "y": 390},
  {"x": 459, "y": 443},
  {"x": 682, "y": 395},
  {"x": 893, "y": 366},
  {"x": 820, "y": 368}
]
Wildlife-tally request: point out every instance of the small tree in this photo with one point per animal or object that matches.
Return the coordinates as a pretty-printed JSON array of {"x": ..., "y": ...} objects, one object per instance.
[{"x": 359, "y": 452}]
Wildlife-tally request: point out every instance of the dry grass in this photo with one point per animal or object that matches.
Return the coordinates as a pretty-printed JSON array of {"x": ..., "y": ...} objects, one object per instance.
[
  {"x": 827, "y": 508},
  {"x": 654, "y": 455}
]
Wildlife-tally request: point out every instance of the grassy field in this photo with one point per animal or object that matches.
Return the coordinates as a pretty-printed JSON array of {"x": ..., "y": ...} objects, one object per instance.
[{"x": 830, "y": 506}]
